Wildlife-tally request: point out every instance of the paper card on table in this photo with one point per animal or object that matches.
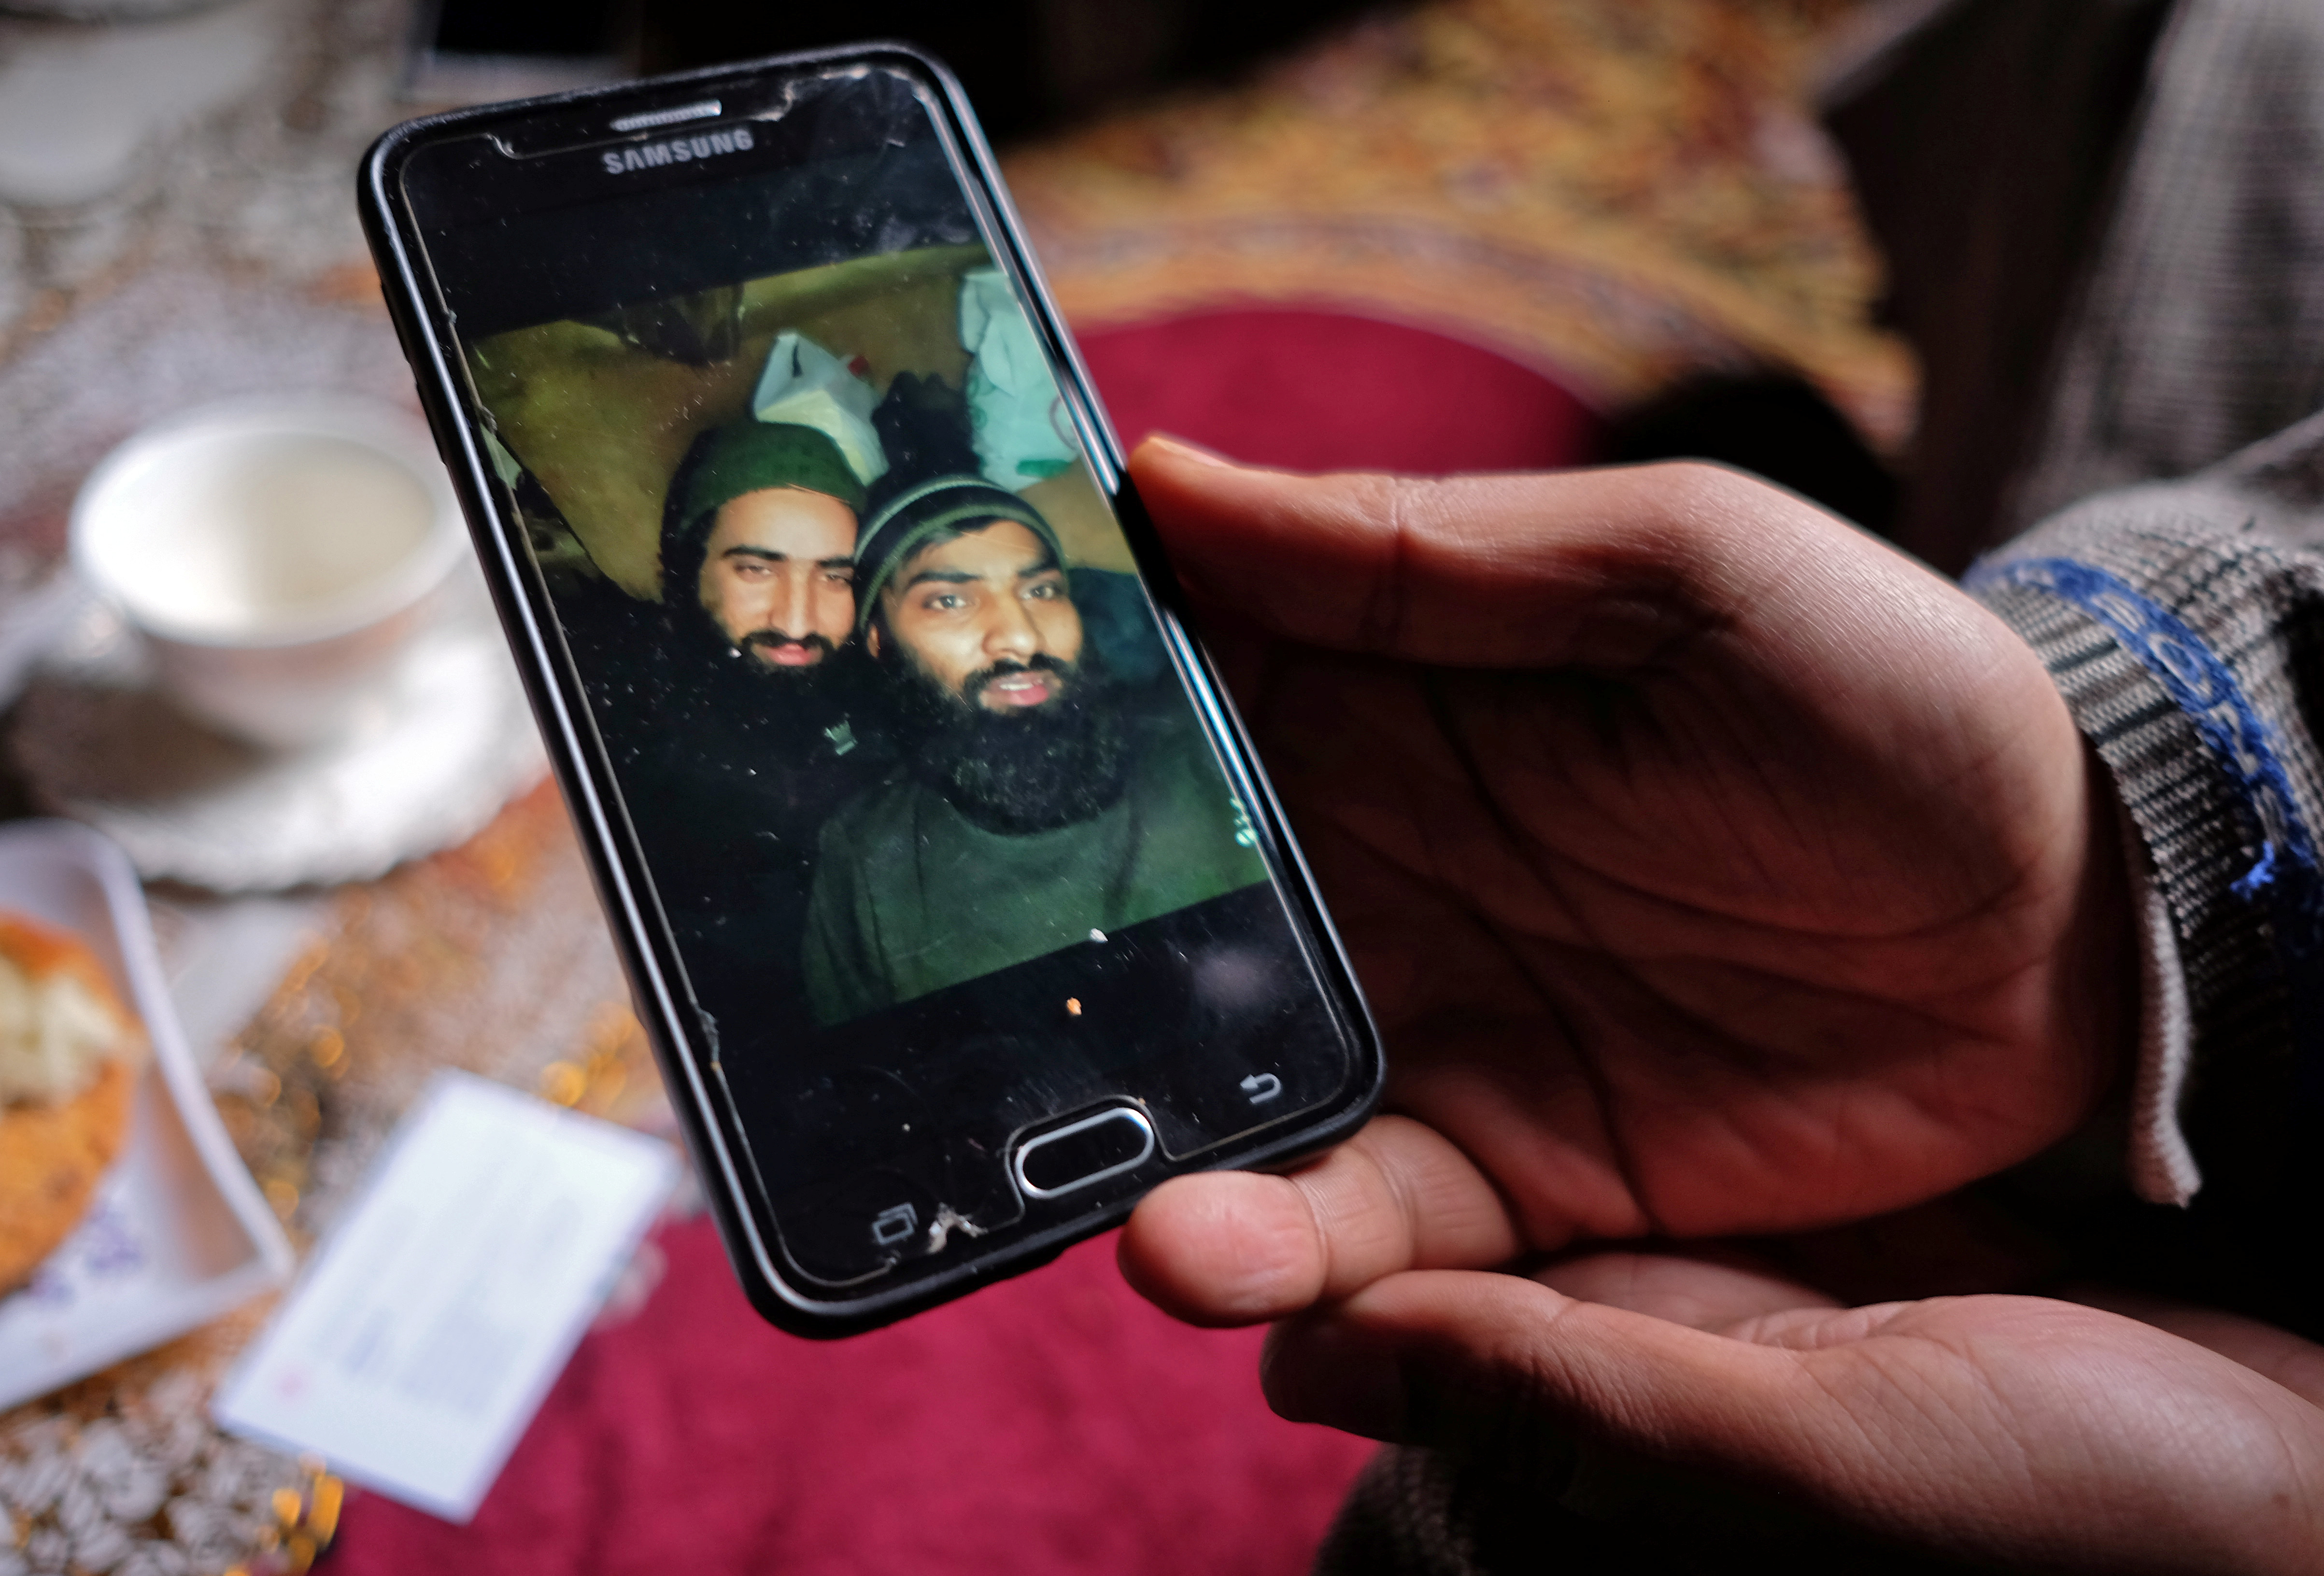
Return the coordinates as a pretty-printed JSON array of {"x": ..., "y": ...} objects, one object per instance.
[{"x": 442, "y": 1307}]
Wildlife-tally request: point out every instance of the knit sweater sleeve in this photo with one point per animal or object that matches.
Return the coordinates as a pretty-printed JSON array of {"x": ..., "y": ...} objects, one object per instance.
[{"x": 2183, "y": 623}]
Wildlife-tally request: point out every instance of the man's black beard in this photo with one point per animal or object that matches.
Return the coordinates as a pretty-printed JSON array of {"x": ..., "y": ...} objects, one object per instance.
[
  {"x": 733, "y": 688},
  {"x": 1018, "y": 772}
]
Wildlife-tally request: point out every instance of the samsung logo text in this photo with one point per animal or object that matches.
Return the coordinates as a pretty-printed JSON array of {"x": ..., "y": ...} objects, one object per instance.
[{"x": 677, "y": 151}]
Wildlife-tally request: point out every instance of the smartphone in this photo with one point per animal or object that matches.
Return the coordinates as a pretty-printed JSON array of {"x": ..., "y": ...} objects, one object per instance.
[{"x": 953, "y": 897}]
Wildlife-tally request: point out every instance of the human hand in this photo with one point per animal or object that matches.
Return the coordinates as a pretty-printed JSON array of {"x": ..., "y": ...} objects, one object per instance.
[
  {"x": 1711, "y": 867},
  {"x": 2014, "y": 1432}
]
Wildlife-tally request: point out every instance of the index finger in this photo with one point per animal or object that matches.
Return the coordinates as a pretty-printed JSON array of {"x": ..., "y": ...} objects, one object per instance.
[
  {"x": 1241, "y": 1247},
  {"x": 1477, "y": 571}
]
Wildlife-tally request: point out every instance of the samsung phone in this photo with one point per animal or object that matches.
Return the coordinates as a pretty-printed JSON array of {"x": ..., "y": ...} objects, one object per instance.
[{"x": 954, "y": 898}]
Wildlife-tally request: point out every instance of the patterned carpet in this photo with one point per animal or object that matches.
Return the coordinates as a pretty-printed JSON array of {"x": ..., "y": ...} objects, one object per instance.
[{"x": 1617, "y": 192}]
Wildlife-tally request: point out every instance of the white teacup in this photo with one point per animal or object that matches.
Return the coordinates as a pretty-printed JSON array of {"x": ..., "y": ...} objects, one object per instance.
[{"x": 277, "y": 556}]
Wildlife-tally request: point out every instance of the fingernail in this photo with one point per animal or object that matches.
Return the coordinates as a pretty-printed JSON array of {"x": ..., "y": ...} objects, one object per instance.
[
  {"x": 1323, "y": 1371},
  {"x": 1181, "y": 449}
]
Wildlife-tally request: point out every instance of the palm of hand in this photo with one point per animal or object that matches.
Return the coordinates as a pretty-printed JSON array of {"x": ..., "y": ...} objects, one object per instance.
[
  {"x": 2199, "y": 1456},
  {"x": 2008, "y": 1428},
  {"x": 1728, "y": 920}
]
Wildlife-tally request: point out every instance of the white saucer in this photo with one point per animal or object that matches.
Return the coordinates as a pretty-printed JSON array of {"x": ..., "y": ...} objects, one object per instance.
[{"x": 454, "y": 743}]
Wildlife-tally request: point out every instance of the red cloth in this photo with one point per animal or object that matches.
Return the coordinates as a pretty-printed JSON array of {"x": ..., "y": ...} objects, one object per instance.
[
  {"x": 1315, "y": 391},
  {"x": 1054, "y": 1424}
]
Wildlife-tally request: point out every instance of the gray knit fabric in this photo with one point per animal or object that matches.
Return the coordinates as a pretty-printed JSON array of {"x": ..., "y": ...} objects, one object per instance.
[
  {"x": 2107, "y": 248},
  {"x": 1401, "y": 1519},
  {"x": 1986, "y": 150},
  {"x": 2232, "y": 552},
  {"x": 2201, "y": 326}
]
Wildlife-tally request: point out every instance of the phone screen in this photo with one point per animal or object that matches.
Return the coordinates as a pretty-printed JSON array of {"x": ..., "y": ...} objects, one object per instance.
[{"x": 945, "y": 840}]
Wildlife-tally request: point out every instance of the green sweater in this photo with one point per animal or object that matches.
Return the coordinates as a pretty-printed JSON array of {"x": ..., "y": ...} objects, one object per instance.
[{"x": 910, "y": 897}]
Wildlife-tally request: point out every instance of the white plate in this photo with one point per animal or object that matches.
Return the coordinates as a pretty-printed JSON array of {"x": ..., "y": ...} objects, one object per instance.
[{"x": 178, "y": 1233}]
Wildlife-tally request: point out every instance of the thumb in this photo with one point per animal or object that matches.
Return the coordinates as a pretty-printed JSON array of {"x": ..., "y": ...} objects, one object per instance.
[{"x": 1600, "y": 567}]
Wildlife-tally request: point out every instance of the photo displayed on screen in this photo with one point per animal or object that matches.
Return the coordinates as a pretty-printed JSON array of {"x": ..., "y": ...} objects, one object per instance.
[{"x": 887, "y": 705}]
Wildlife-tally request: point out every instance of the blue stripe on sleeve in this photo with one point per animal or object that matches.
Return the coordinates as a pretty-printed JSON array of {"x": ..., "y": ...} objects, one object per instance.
[{"x": 2285, "y": 873}]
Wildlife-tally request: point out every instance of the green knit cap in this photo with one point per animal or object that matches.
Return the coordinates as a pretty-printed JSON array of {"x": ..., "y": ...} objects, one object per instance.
[
  {"x": 947, "y": 503},
  {"x": 750, "y": 456}
]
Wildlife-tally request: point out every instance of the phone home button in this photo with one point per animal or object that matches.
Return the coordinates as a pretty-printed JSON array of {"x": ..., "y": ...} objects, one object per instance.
[{"x": 1112, "y": 1141}]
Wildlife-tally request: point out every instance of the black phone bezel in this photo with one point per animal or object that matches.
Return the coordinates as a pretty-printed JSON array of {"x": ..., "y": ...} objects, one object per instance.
[{"x": 584, "y": 769}]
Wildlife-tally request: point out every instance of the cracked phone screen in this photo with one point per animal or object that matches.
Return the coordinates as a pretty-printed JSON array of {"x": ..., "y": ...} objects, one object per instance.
[{"x": 943, "y": 841}]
